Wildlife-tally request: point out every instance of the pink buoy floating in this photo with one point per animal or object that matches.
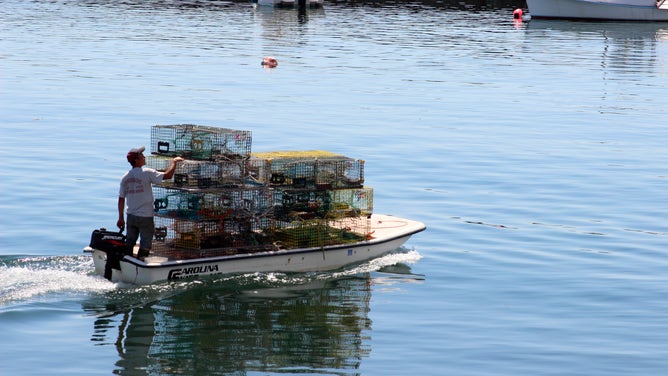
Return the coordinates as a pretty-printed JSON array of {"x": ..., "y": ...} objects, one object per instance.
[{"x": 269, "y": 62}]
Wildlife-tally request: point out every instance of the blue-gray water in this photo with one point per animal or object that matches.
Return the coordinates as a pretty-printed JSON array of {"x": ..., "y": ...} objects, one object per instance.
[{"x": 534, "y": 152}]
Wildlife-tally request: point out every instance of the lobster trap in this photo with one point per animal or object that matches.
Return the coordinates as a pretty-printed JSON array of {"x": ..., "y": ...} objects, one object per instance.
[
  {"x": 203, "y": 174},
  {"x": 321, "y": 232},
  {"x": 339, "y": 173},
  {"x": 213, "y": 205},
  {"x": 200, "y": 142},
  {"x": 350, "y": 202},
  {"x": 307, "y": 170},
  {"x": 231, "y": 232},
  {"x": 290, "y": 205}
]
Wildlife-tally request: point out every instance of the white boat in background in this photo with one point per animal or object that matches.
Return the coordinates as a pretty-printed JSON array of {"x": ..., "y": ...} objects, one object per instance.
[
  {"x": 385, "y": 234},
  {"x": 619, "y": 10},
  {"x": 289, "y": 3}
]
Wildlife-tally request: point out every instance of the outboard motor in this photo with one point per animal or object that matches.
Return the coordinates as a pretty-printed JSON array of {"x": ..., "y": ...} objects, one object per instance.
[{"x": 113, "y": 244}]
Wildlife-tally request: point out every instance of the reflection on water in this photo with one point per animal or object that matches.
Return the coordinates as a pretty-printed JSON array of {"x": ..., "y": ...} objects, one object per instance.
[
  {"x": 240, "y": 324},
  {"x": 623, "y": 44},
  {"x": 614, "y": 51},
  {"x": 622, "y": 30},
  {"x": 277, "y": 17}
]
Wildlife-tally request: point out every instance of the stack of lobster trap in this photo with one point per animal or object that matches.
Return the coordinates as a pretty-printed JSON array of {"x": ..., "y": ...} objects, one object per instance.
[{"x": 223, "y": 196}]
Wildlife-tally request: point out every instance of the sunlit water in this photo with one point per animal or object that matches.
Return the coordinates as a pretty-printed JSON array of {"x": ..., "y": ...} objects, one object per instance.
[{"x": 534, "y": 152}]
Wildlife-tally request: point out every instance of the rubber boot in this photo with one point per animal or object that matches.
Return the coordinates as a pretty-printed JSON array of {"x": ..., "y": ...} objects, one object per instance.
[{"x": 142, "y": 253}]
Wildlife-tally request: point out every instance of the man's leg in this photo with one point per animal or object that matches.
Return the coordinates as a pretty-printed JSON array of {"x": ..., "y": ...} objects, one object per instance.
[
  {"x": 146, "y": 232},
  {"x": 132, "y": 234}
]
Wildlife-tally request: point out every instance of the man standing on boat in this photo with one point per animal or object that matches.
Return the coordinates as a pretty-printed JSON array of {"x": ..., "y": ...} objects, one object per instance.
[{"x": 136, "y": 191}]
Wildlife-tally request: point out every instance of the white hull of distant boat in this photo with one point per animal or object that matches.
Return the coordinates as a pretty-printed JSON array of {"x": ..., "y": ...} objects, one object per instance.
[
  {"x": 289, "y": 3},
  {"x": 620, "y": 10},
  {"x": 388, "y": 234}
]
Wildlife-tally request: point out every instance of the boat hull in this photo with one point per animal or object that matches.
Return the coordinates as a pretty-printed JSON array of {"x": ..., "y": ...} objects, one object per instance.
[
  {"x": 389, "y": 234},
  {"x": 630, "y": 10}
]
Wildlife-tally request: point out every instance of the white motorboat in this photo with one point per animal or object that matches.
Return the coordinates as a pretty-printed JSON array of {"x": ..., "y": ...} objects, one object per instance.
[
  {"x": 385, "y": 234},
  {"x": 620, "y": 10},
  {"x": 229, "y": 211}
]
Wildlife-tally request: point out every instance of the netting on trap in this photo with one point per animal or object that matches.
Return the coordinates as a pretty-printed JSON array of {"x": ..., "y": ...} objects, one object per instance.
[
  {"x": 351, "y": 202},
  {"x": 158, "y": 162},
  {"x": 291, "y": 205},
  {"x": 204, "y": 174},
  {"x": 308, "y": 173},
  {"x": 339, "y": 173},
  {"x": 238, "y": 233},
  {"x": 213, "y": 205},
  {"x": 200, "y": 142},
  {"x": 332, "y": 203},
  {"x": 321, "y": 232}
]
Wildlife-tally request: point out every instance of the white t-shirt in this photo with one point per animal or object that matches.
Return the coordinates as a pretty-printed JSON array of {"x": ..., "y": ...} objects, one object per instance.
[{"x": 136, "y": 187}]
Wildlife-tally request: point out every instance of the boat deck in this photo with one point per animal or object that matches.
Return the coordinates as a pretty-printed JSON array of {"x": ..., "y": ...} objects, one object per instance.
[
  {"x": 375, "y": 227},
  {"x": 162, "y": 249}
]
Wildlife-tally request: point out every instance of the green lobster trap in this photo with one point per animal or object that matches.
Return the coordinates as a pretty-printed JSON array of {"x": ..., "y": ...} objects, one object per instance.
[
  {"x": 231, "y": 232},
  {"x": 200, "y": 142},
  {"x": 203, "y": 174},
  {"x": 315, "y": 169},
  {"x": 321, "y": 232},
  {"x": 213, "y": 205}
]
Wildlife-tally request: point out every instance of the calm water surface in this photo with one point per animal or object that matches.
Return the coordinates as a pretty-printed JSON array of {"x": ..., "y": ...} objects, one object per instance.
[{"x": 535, "y": 153}]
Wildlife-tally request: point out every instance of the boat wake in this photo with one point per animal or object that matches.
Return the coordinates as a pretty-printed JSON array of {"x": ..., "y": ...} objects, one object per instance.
[
  {"x": 25, "y": 278},
  {"x": 383, "y": 268},
  {"x": 379, "y": 264},
  {"x": 54, "y": 278}
]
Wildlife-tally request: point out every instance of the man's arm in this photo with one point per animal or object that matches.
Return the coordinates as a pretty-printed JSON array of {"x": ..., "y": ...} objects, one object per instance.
[
  {"x": 121, "y": 213},
  {"x": 169, "y": 173}
]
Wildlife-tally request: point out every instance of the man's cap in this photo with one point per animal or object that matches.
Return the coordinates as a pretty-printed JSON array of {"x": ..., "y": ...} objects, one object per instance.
[
  {"x": 134, "y": 153},
  {"x": 138, "y": 150}
]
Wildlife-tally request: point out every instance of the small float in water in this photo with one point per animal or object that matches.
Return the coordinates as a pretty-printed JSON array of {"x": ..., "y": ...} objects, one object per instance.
[{"x": 269, "y": 62}]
